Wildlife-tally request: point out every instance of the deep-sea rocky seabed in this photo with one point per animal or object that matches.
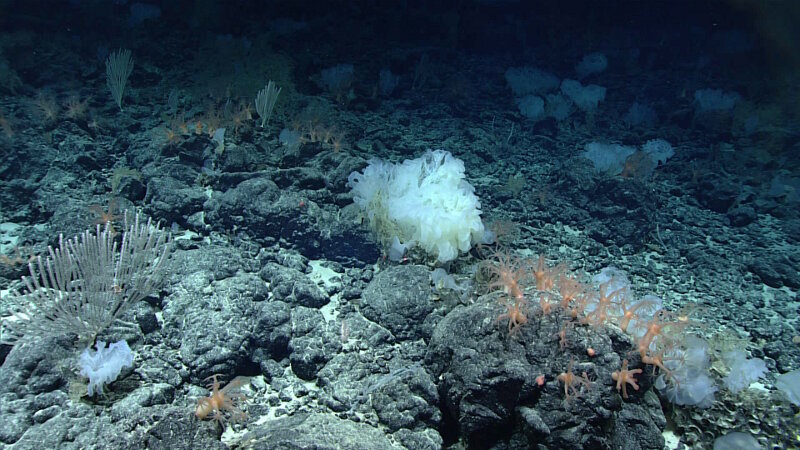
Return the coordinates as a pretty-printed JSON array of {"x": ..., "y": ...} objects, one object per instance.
[{"x": 664, "y": 147}]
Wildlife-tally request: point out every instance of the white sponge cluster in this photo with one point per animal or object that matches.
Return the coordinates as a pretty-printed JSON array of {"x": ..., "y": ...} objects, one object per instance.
[{"x": 424, "y": 201}]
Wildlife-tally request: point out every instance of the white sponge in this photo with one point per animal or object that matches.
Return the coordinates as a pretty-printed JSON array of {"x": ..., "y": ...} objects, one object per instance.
[
  {"x": 103, "y": 367},
  {"x": 424, "y": 201},
  {"x": 743, "y": 371}
]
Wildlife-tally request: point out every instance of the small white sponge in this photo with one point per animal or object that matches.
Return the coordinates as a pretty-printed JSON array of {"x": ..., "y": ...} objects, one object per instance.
[{"x": 103, "y": 367}]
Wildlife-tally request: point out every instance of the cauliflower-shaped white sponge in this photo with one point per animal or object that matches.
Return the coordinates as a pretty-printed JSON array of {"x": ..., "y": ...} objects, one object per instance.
[{"x": 424, "y": 201}]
